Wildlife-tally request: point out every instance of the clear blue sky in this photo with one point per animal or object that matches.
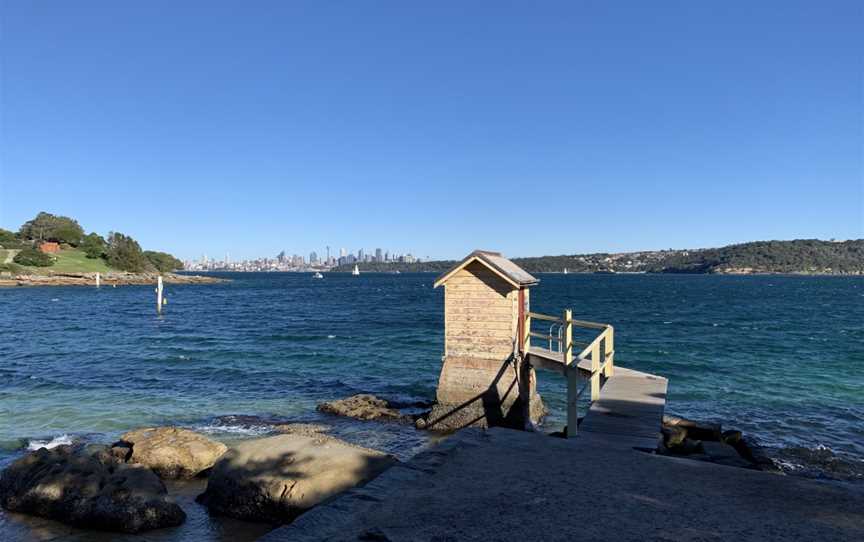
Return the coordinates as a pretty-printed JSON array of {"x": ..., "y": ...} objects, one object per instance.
[{"x": 436, "y": 127}]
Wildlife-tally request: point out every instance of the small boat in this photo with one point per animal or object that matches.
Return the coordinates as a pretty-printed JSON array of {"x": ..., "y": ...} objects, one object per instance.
[
  {"x": 356, "y": 271},
  {"x": 565, "y": 270},
  {"x": 317, "y": 275}
]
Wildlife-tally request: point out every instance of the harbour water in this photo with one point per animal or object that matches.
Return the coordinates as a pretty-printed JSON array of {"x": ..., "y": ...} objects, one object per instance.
[{"x": 779, "y": 357}]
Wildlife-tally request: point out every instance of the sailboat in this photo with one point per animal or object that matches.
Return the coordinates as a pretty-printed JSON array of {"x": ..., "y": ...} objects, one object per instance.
[
  {"x": 356, "y": 270},
  {"x": 317, "y": 275},
  {"x": 565, "y": 270}
]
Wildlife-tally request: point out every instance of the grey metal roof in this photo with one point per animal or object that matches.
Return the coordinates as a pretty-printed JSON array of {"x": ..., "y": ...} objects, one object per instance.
[{"x": 497, "y": 262}]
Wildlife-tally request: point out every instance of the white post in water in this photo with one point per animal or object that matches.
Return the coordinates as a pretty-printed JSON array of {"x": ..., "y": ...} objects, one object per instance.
[
  {"x": 159, "y": 294},
  {"x": 97, "y": 279}
]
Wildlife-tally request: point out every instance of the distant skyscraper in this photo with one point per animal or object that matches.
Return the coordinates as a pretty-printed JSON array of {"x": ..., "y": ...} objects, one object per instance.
[
  {"x": 313, "y": 257},
  {"x": 342, "y": 252},
  {"x": 360, "y": 255},
  {"x": 379, "y": 256}
]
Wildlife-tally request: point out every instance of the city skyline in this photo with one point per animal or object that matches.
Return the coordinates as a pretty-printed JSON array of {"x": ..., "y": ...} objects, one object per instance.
[{"x": 298, "y": 262}]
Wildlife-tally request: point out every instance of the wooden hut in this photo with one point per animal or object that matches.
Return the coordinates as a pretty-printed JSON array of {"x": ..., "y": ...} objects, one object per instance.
[{"x": 484, "y": 379}]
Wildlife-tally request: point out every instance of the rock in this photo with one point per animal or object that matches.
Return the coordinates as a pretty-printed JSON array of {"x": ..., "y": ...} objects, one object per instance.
[
  {"x": 731, "y": 437},
  {"x": 88, "y": 487},
  {"x": 696, "y": 430},
  {"x": 725, "y": 454},
  {"x": 673, "y": 436},
  {"x": 754, "y": 453},
  {"x": 362, "y": 407},
  {"x": 171, "y": 452},
  {"x": 676, "y": 441},
  {"x": 305, "y": 429},
  {"x": 275, "y": 479}
]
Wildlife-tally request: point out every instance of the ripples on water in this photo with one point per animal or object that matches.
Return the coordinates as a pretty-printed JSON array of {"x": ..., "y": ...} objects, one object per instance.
[{"x": 778, "y": 357}]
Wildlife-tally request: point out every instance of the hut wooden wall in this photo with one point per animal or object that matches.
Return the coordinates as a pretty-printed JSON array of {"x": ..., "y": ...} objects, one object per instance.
[{"x": 480, "y": 314}]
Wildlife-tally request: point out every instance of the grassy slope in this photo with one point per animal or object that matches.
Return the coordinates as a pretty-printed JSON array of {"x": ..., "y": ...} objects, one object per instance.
[{"x": 71, "y": 261}]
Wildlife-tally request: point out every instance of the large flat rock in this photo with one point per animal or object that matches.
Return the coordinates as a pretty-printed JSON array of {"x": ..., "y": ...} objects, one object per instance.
[
  {"x": 277, "y": 478},
  {"x": 171, "y": 452},
  {"x": 502, "y": 484}
]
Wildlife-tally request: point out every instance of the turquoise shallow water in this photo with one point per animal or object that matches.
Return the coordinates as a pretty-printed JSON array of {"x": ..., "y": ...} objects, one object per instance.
[{"x": 779, "y": 357}]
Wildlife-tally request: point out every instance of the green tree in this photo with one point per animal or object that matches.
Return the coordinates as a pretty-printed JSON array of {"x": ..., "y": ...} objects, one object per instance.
[
  {"x": 8, "y": 239},
  {"x": 33, "y": 257},
  {"x": 163, "y": 261},
  {"x": 124, "y": 253},
  {"x": 93, "y": 245},
  {"x": 48, "y": 227}
]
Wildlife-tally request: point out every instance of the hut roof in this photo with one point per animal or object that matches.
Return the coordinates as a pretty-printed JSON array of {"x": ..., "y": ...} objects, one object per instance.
[{"x": 500, "y": 265}]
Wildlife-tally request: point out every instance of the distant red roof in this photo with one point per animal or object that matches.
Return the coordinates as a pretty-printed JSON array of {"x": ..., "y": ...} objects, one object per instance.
[{"x": 49, "y": 247}]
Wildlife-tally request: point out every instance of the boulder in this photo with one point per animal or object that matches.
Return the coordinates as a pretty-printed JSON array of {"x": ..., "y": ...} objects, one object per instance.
[
  {"x": 275, "y": 479},
  {"x": 306, "y": 429},
  {"x": 695, "y": 430},
  {"x": 731, "y": 437},
  {"x": 362, "y": 407},
  {"x": 88, "y": 487},
  {"x": 725, "y": 454},
  {"x": 171, "y": 452}
]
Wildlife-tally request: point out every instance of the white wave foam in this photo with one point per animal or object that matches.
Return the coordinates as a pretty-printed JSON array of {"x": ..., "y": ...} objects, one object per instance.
[
  {"x": 250, "y": 430},
  {"x": 62, "y": 440}
]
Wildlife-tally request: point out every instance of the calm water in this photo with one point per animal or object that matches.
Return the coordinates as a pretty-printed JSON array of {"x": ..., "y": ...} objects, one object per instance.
[{"x": 781, "y": 358}]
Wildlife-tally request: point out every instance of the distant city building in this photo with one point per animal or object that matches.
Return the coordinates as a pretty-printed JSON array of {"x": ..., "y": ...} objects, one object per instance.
[{"x": 283, "y": 262}]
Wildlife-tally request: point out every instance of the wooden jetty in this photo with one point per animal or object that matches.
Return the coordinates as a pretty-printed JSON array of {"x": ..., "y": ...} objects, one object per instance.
[{"x": 494, "y": 343}]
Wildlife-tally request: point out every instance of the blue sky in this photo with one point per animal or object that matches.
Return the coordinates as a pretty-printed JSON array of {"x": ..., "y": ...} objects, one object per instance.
[{"x": 438, "y": 127}]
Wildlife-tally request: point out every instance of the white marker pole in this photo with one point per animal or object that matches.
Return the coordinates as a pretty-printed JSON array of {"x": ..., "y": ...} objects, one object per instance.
[
  {"x": 159, "y": 294},
  {"x": 97, "y": 280}
]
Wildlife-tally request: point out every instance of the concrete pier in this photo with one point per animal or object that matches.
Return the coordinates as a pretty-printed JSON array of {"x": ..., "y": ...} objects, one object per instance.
[{"x": 501, "y": 484}]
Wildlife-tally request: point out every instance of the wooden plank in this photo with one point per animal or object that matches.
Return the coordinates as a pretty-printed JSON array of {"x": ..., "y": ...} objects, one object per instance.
[
  {"x": 546, "y": 317},
  {"x": 546, "y": 364},
  {"x": 630, "y": 406}
]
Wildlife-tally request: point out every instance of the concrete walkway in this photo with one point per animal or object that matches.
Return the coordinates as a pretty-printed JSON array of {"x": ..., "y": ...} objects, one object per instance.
[{"x": 510, "y": 485}]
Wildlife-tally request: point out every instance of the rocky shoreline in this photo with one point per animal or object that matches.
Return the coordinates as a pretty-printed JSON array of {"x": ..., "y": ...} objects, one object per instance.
[
  {"x": 107, "y": 279},
  {"x": 272, "y": 478}
]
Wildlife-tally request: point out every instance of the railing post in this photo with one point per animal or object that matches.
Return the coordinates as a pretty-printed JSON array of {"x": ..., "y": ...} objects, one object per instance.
[
  {"x": 595, "y": 370},
  {"x": 571, "y": 371},
  {"x": 526, "y": 333},
  {"x": 609, "y": 356},
  {"x": 566, "y": 343}
]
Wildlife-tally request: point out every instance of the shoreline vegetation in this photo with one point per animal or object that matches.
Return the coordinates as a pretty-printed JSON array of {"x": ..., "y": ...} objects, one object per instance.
[
  {"x": 797, "y": 257},
  {"x": 53, "y": 250}
]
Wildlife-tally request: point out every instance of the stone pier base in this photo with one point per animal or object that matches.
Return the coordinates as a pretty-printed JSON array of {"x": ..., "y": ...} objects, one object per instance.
[{"x": 479, "y": 392}]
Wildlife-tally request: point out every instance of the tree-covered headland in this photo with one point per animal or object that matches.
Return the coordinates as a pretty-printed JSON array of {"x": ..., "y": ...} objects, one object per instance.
[
  {"x": 79, "y": 251},
  {"x": 801, "y": 256}
]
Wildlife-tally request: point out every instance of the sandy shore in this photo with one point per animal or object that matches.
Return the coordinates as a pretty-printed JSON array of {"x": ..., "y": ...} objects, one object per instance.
[{"x": 112, "y": 279}]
